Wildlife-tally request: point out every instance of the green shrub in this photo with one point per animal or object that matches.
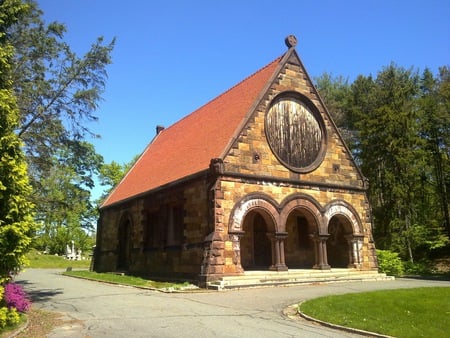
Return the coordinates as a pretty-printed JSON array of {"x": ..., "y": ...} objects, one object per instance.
[
  {"x": 8, "y": 317},
  {"x": 389, "y": 263},
  {"x": 423, "y": 267},
  {"x": 3, "y": 316}
]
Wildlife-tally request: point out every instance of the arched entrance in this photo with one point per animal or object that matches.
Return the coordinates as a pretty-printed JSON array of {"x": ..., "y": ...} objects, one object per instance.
[
  {"x": 301, "y": 228},
  {"x": 255, "y": 244},
  {"x": 123, "y": 250},
  {"x": 338, "y": 243}
]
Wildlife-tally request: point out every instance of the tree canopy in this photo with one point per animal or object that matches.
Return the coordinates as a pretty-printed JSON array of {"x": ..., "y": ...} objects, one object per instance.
[
  {"x": 399, "y": 124},
  {"x": 57, "y": 95}
]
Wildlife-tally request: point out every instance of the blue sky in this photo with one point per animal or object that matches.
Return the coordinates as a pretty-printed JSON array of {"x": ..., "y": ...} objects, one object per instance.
[{"x": 171, "y": 57}]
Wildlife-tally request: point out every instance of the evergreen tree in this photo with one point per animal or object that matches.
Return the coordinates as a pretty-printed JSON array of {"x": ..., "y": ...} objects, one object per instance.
[
  {"x": 434, "y": 104},
  {"x": 394, "y": 156},
  {"x": 335, "y": 92},
  {"x": 16, "y": 218},
  {"x": 57, "y": 94}
]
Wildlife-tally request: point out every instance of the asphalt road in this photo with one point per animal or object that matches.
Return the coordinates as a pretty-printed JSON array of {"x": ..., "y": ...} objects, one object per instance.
[{"x": 104, "y": 310}]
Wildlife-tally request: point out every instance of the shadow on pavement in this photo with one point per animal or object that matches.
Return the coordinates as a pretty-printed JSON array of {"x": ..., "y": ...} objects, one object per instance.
[{"x": 41, "y": 295}]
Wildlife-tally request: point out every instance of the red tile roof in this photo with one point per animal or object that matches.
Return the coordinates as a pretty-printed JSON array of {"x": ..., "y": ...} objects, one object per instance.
[{"x": 187, "y": 147}]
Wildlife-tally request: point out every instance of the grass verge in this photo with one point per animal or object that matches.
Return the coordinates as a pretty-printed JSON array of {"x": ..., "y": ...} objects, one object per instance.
[
  {"x": 42, "y": 261},
  {"x": 421, "y": 312},
  {"x": 128, "y": 280}
]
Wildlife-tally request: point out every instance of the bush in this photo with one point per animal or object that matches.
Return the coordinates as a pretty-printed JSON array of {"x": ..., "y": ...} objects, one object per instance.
[
  {"x": 8, "y": 317},
  {"x": 390, "y": 263},
  {"x": 423, "y": 267},
  {"x": 16, "y": 298},
  {"x": 8, "y": 314}
]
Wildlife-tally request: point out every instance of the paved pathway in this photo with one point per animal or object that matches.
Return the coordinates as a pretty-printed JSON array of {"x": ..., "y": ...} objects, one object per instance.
[{"x": 116, "y": 311}]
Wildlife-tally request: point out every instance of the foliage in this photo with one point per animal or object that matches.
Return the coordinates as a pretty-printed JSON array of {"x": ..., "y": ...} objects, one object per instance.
[
  {"x": 57, "y": 94},
  {"x": 335, "y": 91},
  {"x": 110, "y": 174},
  {"x": 410, "y": 311},
  {"x": 389, "y": 262},
  {"x": 399, "y": 126},
  {"x": 16, "y": 217},
  {"x": 16, "y": 298},
  {"x": 54, "y": 240},
  {"x": 65, "y": 211},
  {"x": 8, "y": 317},
  {"x": 422, "y": 268},
  {"x": 58, "y": 91}
]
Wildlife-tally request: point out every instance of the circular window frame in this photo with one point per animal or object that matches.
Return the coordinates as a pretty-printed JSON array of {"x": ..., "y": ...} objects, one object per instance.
[{"x": 302, "y": 99}]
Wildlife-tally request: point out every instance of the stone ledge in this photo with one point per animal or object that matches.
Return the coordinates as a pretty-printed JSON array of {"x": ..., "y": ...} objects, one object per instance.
[{"x": 254, "y": 279}]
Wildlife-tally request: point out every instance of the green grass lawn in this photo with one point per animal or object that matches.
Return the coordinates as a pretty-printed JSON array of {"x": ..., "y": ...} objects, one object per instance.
[
  {"x": 80, "y": 269},
  {"x": 422, "y": 312},
  {"x": 41, "y": 261},
  {"x": 126, "y": 280}
]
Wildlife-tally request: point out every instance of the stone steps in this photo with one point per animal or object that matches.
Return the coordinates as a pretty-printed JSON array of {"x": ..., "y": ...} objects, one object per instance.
[{"x": 292, "y": 277}]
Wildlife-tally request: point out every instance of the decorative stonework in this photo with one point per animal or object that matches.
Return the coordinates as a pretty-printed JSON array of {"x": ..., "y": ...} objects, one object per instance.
[
  {"x": 245, "y": 206},
  {"x": 340, "y": 208},
  {"x": 290, "y": 41},
  {"x": 295, "y": 132}
]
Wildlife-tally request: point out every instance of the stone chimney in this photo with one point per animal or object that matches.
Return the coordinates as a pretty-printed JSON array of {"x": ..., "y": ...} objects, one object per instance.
[{"x": 159, "y": 129}]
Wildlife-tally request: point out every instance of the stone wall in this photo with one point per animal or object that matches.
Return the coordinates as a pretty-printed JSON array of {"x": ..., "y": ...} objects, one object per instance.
[
  {"x": 250, "y": 167},
  {"x": 183, "y": 259}
]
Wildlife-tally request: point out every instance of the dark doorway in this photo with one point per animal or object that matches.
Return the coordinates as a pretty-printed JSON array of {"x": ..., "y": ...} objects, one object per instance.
[
  {"x": 299, "y": 247},
  {"x": 339, "y": 229},
  {"x": 261, "y": 243},
  {"x": 255, "y": 245}
]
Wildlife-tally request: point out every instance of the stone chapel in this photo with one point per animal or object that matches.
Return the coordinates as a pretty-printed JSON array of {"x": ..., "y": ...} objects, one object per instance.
[{"x": 259, "y": 178}]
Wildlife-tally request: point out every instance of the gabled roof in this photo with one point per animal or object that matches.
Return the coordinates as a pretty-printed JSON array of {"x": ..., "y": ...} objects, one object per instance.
[{"x": 187, "y": 147}]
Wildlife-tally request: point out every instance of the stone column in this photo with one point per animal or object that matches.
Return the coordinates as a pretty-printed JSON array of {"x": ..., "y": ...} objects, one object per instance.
[
  {"x": 278, "y": 260},
  {"x": 323, "y": 242},
  {"x": 273, "y": 250},
  {"x": 236, "y": 243},
  {"x": 320, "y": 245},
  {"x": 317, "y": 253},
  {"x": 353, "y": 251}
]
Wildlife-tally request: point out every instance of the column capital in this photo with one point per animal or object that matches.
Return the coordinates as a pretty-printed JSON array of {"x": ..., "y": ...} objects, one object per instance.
[
  {"x": 238, "y": 233},
  {"x": 323, "y": 237},
  {"x": 281, "y": 235}
]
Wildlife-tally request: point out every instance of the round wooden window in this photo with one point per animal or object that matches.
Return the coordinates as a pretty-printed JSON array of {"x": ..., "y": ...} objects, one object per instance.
[{"x": 295, "y": 133}]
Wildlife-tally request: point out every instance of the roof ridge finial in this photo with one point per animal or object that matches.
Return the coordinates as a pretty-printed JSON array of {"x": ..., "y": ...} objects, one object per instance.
[{"x": 290, "y": 41}]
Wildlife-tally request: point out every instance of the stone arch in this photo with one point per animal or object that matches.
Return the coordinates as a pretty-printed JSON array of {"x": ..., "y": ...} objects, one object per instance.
[
  {"x": 308, "y": 207},
  {"x": 251, "y": 202},
  {"x": 343, "y": 209},
  {"x": 301, "y": 201},
  {"x": 261, "y": 211},
  {"x": 344, "y": 245},
  {"x": 258, "y": 229}
]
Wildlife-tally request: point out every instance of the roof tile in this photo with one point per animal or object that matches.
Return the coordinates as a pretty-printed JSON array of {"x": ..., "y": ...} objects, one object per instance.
[{"x": 186, "y": 147}]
